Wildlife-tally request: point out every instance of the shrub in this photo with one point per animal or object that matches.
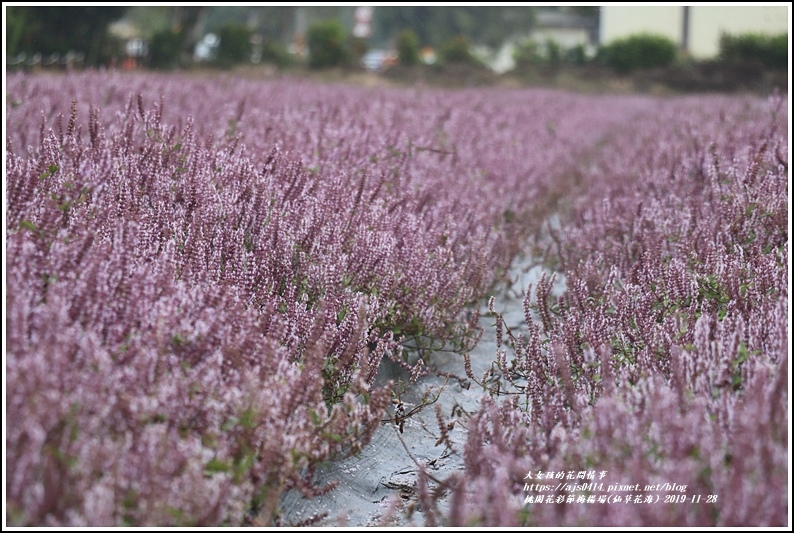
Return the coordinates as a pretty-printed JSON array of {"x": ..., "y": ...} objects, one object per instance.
[
  {"x": 235, "y": 47},
  {"x": 408, "y": 47},
  {"x": 456, "y": 50},
  {"x": 358, "y": 48},
  {"x": 276, "y": 53},
  {"x": 530, "y": 53},
  {"x": 527, "y": 54},
  {"x": 164, "y": 50},
  {"x": 640, "y": 51},
  {"x": 326, "y": 42},
  {"x": 770, "y": 51},
  {"x": 554, "y": 54},
  {"x": 576, "y": 55}
]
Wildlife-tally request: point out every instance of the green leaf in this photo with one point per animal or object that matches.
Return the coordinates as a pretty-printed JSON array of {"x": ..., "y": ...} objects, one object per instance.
[
  {"x": 28, "y": 225},
  {"x": 216, "y": 465},
  {"x": 248, "y": 418},
  {"x": 229, "y": 424}
]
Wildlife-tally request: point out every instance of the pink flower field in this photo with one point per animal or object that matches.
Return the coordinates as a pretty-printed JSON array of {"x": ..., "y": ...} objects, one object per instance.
[{"x": 204, "y": 275}]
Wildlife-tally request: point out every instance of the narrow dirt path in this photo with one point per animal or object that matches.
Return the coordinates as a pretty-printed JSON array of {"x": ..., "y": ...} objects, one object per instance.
[{"x": 387, "y": 467}]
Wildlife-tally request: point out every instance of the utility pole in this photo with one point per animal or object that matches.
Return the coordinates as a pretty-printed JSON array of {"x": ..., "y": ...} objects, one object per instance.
[{"x": 685, "y": 30}]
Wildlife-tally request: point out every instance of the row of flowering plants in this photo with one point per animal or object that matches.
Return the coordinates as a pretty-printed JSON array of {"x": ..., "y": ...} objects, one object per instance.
[
  {"x": 203, "y": 275},
  {"x": 651, "y": 388}
]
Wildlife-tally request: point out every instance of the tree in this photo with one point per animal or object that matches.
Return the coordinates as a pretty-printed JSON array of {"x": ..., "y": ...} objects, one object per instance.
[
  {"x": 456, "y": 50},
  {"x": 235, "y": 47},
  {"x": 16, "y": 21},
  {"x": 51, "y": 30},
  {"x": 188, "y": 23},
  {"x": 327, "y": 44},
  {"x": 164, "y": 50},
  {"x": 490, "y": 26},
  {"x": 408, "y": 47},
  {"x": 173, "y": 46}
]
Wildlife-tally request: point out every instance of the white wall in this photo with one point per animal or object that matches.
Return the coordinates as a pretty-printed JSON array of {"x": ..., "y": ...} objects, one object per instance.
[
  {"x": 706, "y": 23},
  {"x": 620, "y": 21}
]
